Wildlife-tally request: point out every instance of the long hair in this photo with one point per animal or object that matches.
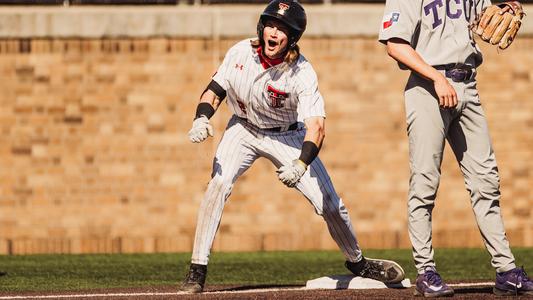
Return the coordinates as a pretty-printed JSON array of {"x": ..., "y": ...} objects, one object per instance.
[{"x": 290, "y": 57}]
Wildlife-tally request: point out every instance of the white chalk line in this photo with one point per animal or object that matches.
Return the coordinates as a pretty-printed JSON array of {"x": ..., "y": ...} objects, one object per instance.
[{"x": 183, "y": 293}]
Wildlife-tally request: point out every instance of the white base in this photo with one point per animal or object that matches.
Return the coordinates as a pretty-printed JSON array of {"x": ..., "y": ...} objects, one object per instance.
[{"x": 337, "y": 282}]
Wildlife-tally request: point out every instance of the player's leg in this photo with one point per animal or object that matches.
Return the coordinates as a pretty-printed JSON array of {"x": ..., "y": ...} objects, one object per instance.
[
  {"x": 426, "y": 127},
  {"x": 233, "y": 157},
  {"x": 471, "y": 143},
  {"x": 317, "y": 187},
  {"x": 469, "y": 138}
]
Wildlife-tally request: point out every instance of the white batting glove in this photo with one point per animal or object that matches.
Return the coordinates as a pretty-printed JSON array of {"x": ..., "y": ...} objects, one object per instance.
[
  {"x": 200, "y": 130},
  {"x": 291, "y": 174}
]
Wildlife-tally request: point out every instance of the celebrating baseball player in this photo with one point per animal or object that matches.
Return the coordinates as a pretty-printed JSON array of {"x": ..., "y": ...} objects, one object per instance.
[
  {"x": 271, "y": 88},
  {"x": 434, "y": 39}
]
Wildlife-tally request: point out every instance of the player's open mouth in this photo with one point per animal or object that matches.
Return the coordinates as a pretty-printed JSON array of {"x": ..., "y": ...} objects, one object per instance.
[{"x": 272, "y": 43}]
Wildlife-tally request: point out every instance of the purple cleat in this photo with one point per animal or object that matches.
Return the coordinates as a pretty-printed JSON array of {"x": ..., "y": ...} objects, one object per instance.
[
  {"x": 430, "y": 284},
  {"x": 513, "y": 282}
]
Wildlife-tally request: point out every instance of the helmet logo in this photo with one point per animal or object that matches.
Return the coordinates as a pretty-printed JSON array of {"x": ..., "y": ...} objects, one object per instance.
[{"x": 283, "y": 6}]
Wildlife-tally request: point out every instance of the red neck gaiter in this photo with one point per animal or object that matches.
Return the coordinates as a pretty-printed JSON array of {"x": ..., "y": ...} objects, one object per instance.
[{"x": 267, "y": 62}]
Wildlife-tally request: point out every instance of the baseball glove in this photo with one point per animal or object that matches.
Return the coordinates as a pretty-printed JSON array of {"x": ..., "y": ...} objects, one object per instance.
[{"x": 498, "y": 24}]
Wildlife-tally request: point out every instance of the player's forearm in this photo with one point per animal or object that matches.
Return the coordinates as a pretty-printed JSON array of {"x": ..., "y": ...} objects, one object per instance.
[
  {"x": 209, "y": 102},
  {"x": 402, "y": 52},
  {"x": 312, "y": 140},
  {"x": 209, "y": 97},
  {"x": 315, "y": 130}
]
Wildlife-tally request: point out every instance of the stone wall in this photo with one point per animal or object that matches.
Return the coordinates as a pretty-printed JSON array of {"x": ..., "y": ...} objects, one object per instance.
[{"x": 94, "y": 155}]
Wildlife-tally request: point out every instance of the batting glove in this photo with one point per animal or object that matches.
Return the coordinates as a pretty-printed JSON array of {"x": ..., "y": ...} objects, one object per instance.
[
  {"x": 291, "y": 174},
  {"x": 201, "y": 129}
]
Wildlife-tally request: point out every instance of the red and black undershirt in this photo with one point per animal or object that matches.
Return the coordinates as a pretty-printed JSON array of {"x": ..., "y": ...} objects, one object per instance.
[{"x": 266, "y": 61}]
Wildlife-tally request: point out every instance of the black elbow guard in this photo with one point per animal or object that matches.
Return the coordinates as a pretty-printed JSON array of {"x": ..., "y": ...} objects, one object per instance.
[{"x": 217, "y": 89}]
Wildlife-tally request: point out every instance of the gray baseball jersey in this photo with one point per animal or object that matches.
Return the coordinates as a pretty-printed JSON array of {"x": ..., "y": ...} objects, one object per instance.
[
  {"x": 436, "y": 29},
  {"x": 262, "y": 99}
]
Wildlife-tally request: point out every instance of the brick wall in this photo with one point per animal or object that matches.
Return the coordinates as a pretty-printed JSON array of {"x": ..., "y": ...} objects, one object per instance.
[{"x": 94, "y": 155}]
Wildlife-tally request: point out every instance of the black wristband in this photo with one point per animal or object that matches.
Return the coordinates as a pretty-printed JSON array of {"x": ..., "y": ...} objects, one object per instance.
[
  {"x": 204, "y": 109},
  {"x": 309, "y": 152},
  {"x": 217, "y": 89}
]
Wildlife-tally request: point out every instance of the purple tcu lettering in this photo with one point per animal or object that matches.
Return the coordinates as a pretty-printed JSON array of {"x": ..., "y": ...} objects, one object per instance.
[
  {"x": 433, "y": 6},
  {"x": 455, "y": 15}
]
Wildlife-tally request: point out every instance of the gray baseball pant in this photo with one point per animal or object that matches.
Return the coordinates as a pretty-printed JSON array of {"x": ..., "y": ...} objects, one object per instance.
[{"x": 465, "y": 128}]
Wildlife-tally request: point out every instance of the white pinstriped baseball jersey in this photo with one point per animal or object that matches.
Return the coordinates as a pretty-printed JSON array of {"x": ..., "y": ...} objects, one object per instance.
[{"x": 269, "y": 98}]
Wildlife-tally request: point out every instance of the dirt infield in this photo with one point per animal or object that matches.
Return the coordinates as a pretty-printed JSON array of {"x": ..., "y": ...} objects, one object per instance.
[{"x": 252, "y": 292}]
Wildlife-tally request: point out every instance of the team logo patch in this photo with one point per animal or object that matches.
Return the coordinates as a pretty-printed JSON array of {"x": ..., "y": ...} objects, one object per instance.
[
  {"x": 283, "y": 6},
  {"x": 390, "y": 19},
  {"x": 277, "y": 98}
]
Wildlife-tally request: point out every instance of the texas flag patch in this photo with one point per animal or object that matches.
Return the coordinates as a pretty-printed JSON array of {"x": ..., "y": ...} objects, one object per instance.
[{"x": 390, "y": 19}]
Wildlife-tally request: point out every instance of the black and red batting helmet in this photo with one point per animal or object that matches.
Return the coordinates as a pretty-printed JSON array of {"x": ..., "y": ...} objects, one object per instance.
[{"x": 291, "y": 13}]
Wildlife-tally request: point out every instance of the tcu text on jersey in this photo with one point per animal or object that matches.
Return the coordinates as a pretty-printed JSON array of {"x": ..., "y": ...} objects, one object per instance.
[{"x": 454, "y": 10}]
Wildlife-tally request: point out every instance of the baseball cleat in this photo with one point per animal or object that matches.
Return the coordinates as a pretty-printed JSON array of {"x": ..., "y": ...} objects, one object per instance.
[
  {"x": 195, "y": 280},
  {"x": 430, "y": 284},
  {"x": 386, "y": 271},
  {"x": 512, "y": 283}
]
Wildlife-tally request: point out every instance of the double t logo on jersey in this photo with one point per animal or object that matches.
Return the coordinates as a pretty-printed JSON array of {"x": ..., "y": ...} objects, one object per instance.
[
  {"x": 277, "y": 98},
  {"x": 461, "y": 8}
]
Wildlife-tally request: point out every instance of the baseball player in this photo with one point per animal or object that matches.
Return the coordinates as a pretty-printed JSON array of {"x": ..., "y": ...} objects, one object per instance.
[
  {"x": 278, "y": 113},
  {"x": 432, "y": 39}
]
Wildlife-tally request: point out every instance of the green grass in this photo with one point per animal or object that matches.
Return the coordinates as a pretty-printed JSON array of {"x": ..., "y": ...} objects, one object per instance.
[{"x": 74, "y": 272}]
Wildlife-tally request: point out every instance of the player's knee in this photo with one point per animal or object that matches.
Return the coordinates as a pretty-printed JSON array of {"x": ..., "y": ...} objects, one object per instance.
[
  {"x": 333, "y": 207},
  {"x": 487, "y": 186},
  {"x": 424, "y": 185},
  {"x": 220, "y": 183}
]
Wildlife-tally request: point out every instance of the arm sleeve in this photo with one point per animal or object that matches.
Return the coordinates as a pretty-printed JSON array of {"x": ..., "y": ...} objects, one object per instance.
[
  {"x": 310, "y": 101},
  {"x": 400, "y": 19}
]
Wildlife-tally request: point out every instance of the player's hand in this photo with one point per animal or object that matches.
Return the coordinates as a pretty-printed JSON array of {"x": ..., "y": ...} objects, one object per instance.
[
  {"x": 291, "y": 174},
  {"x": 445, "y": 92},
  {"x": 200, "y": 130}
]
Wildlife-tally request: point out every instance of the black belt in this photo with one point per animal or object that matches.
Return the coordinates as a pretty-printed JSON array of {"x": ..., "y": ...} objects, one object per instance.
[
  {"x": 293, "y": 126},
  {"x": 457, "y": 73}
]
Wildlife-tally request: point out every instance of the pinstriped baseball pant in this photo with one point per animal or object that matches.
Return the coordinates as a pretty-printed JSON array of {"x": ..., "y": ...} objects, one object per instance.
[
  {"x": 240, "y": 146},
  {"x": 465, "y": 128}
]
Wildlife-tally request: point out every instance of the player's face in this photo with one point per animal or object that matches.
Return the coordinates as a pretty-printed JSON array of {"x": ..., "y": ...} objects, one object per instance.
[{"x": 276, "y": 38}]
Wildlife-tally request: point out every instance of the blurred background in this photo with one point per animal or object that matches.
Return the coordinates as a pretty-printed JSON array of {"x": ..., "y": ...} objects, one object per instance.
[{"x": 97, "y": 97}]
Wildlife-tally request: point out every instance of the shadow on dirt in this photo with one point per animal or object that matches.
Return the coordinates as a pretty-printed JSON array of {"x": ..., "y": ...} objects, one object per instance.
[
  {"x": 251, "y": 288},
  {"x": 474, "y": 290}
]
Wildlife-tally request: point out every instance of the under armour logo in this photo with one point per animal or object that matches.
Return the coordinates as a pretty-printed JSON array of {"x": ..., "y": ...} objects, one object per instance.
[
  {"x": 283, "y": 6},
  {"x": 239, "y": 66}
]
